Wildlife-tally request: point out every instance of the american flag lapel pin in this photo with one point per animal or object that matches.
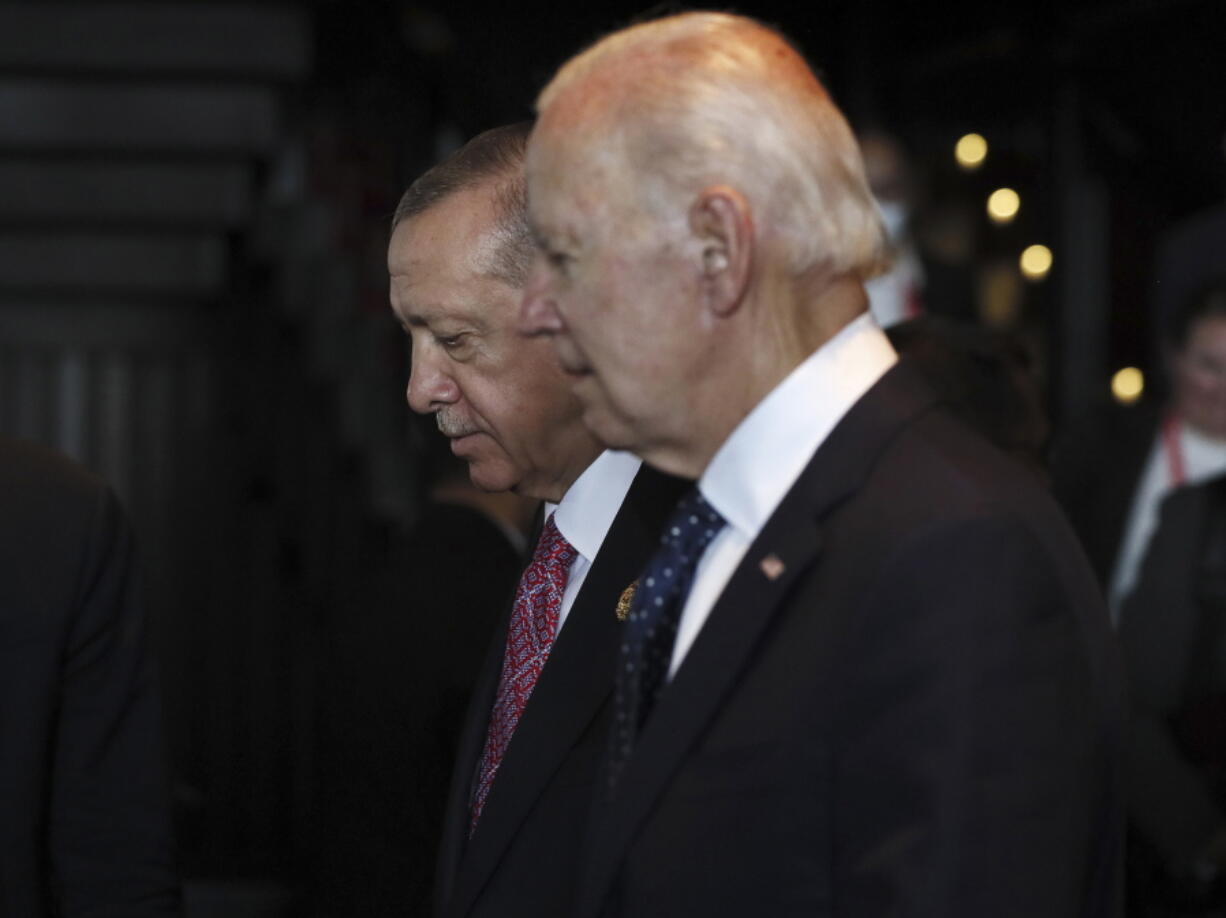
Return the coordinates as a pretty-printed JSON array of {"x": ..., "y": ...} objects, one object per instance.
[{"x": 772, "y": 567}]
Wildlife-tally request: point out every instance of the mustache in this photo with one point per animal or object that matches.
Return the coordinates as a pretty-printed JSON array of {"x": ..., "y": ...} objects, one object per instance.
[{"x": 452, "y": 426}]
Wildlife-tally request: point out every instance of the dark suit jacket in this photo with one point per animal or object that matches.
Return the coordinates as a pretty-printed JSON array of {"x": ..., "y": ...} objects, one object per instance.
[
  {"x": 1170, "y": 627},
  {"x": 919, "y": 717},
  {"x": 84, "y": 826},
  {"x": 523, "y": 859}
]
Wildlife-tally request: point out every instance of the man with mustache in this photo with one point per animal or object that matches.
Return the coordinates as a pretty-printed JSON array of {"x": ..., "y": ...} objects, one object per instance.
[
  {"x": 868, "y": 671},
  {"x": 459, "y": 256}
]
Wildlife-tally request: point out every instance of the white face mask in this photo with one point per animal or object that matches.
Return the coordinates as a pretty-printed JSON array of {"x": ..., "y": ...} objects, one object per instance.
[{"x": 894, "y": 215}]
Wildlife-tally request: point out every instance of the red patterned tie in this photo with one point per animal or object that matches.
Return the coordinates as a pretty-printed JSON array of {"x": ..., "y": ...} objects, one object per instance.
[{"x": 534, "y": 620}]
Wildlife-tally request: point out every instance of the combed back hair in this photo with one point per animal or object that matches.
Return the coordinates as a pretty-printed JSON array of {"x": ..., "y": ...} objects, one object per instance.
[
  {"x": 702, "y": 99},
  {"x": 494, "y": 155}
]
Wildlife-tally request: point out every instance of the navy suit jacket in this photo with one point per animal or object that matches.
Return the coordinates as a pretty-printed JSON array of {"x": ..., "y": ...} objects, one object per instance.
[{"x": 920, "y": 716}]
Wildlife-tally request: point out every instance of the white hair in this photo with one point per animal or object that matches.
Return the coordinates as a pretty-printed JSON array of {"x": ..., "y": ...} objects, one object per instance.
[{"x": 702, "y": 99}]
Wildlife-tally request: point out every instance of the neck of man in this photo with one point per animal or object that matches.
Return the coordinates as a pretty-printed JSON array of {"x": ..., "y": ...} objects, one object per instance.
[
  {"x": 509, "y": 511},
  {"x": 783, "y": 323},
  {"x": 566, "y": 473}
]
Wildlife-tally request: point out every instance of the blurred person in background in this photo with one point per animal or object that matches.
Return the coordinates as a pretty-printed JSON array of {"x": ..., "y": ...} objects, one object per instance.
[
  {"x": 1173, "y": 630},
  {"x": 897, "y": 294},
  {"x": 84, "y": 800},
  {"x": 1192, "y": 254},
  {"x": 1112, "y": 470},
  {"x": 919, "y": 281}
]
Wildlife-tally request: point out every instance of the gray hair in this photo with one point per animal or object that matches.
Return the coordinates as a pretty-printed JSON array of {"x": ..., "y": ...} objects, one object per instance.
[
  {"x": 700, "y": 99},
  {"x": 494, "y": 155}
]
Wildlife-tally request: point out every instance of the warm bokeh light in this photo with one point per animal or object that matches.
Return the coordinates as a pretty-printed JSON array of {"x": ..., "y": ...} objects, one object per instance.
[
  {"x": 1003, "y": 205},
  {"x": 1127, "y": 385},
  {"x": 1001, "y": 293},
  {"x": 1036, "y": 262},
  {"x": 970, "y": 151}
]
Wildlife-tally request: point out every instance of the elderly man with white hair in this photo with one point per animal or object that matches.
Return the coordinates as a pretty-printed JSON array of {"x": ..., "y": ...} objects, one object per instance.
[{"x": 867, "y": 671}]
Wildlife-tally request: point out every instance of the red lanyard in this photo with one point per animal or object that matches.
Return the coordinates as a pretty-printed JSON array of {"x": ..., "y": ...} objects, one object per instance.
[{"x": 1174, "y": 451}]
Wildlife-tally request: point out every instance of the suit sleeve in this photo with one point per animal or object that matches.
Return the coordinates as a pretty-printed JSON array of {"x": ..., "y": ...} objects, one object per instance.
[
  {"x": 109, "y": 833},
  {"x": 971, "y": 777}
]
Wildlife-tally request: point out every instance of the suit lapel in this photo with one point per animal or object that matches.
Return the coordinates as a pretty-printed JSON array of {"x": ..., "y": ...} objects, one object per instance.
[
  {"x": 576, "y": 681},
  {"x": 788, "y": 545}
]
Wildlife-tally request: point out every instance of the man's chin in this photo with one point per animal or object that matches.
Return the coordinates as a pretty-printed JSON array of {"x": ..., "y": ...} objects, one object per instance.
[
  {"x": 492, "y": 485},
  {"x": 492, "y": 477}
]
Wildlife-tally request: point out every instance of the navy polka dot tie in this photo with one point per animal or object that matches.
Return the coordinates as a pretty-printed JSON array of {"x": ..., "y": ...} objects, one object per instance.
[{"x": 651, "y": 627}]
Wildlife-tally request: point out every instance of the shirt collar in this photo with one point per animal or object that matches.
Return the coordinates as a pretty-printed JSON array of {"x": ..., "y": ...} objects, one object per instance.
[
  {"x": 762, "y": 458},
  {"x": 588, "y": 507}
]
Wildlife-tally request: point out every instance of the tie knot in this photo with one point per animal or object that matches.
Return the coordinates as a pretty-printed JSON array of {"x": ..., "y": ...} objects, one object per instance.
[
  {"x": 693, "y": 524},
  {"x": 552, "y": 548}
]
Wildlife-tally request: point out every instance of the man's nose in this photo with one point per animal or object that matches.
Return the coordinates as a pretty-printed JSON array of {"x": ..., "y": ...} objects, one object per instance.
[
  {"x": 430, "y": 386},
  {"x": 538, "y": 311}
]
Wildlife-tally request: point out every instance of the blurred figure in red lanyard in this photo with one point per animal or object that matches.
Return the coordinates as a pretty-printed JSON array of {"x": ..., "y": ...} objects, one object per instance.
[{"x": 1113, "y": 471}]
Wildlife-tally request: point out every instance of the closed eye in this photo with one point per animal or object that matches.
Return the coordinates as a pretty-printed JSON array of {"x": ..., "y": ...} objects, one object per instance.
[{"x": 560, "y": 261}]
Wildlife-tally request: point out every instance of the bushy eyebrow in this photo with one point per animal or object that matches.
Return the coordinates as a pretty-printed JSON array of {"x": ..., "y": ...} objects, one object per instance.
[{"x": 424, "y": 319}]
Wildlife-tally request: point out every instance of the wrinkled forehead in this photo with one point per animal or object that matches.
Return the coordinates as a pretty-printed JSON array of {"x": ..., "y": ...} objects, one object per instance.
[
  {"x": 554, "y": 184},
  {"x": 459, "y": 236},
  {"x": 443, "y": 266},
  {"x": 571, "y": 170},
  {"x": 553, "y": 155},
  {"x": 539, "y": 157}
]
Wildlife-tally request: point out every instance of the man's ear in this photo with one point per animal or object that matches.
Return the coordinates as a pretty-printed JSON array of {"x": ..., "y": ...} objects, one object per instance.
[{"x": 722, "y": 224}]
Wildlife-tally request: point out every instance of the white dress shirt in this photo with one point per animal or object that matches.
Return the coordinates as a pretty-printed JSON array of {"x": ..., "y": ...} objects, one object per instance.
[
  {"x": 762, "y": 458},
  {"x": 586, "y": 512}
]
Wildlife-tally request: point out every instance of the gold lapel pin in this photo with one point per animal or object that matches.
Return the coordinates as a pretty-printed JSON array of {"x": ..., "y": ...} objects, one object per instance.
[
  {"x": 623, "y": 603},
  {"x": 772, "y": 567}
]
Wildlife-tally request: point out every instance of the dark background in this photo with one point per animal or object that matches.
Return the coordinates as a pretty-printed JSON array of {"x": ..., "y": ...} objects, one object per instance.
[{"x": 193, "y": 218}]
